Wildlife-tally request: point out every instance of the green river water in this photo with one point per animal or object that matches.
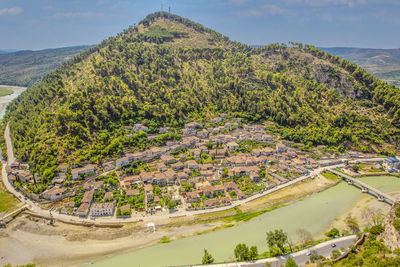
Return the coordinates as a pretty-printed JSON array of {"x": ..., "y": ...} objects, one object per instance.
[{"x": 314, "y": 213}]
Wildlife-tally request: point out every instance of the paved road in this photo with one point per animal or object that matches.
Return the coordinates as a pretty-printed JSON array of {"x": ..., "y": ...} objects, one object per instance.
[
  {"x": 150, "y": 218},
  {"x": 324, "y": 249}
]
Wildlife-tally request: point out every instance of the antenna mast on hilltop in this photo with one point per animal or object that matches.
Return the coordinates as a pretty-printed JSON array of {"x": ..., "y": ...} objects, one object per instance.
[
  {"x": 169, "y": 9},
  {"x": 162, "y": 6}
]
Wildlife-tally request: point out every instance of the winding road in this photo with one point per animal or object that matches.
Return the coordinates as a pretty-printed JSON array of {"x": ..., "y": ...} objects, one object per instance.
[
  {"x": 35, "y": 208},
  {"x": 301, "y": 257}
]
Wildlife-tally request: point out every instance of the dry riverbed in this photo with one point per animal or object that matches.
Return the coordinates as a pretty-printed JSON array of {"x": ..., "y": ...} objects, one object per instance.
[{"x": 65, "y": 244}]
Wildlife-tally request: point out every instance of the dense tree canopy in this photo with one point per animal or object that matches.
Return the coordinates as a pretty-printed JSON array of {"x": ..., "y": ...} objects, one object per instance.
[{"x": 168, "y": 70}]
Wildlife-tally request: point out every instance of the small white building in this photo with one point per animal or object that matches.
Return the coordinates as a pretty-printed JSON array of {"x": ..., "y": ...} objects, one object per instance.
[{"x": 102, "y": 209}]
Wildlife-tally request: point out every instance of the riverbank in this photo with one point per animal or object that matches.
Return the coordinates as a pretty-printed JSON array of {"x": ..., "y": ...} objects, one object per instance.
[
  {"x": 367, "y": 206},
  {"x": 65, "y": 244},
  {"x": 7, "y": 98}
]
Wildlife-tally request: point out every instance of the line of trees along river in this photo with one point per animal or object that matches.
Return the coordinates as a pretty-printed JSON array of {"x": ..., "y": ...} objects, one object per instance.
[{"x": 314, "y": 213}]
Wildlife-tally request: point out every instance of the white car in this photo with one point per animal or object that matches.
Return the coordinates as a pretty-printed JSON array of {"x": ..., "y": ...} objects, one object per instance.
[{"x": 308, "y": 253}]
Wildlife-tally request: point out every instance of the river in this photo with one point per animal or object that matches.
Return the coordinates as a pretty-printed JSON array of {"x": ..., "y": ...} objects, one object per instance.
[
  {"x": 314, "y": 213},
  {"x": 4, "y": 100}
]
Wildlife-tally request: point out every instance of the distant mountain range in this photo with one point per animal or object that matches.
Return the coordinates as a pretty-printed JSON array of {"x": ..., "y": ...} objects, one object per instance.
[
  {"x": 6, "y": 51},
  {"x": 26, "y": 67},
  {"x": 383, "y": 63}
]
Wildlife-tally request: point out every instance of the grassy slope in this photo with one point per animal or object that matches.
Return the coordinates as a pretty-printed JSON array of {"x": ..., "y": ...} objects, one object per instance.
[
  {"x": 5, "y": 91},
  {"x": 27, "y": 67}
]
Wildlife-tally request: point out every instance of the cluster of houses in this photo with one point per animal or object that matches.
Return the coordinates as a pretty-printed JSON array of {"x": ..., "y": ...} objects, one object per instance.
[{"x": 207, "y": 168}]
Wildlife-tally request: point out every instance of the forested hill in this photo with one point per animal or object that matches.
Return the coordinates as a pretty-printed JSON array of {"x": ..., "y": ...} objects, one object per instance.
[
  {"x": 383, "y": 63},
  {"x": 26, "y": 67},
  {"x": 169, "y": 70}
]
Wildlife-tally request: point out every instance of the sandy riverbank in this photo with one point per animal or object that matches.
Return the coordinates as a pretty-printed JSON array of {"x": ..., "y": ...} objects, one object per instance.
[
  {"x": 362, "y": 211},
  {"x": 71, "y": 245}
]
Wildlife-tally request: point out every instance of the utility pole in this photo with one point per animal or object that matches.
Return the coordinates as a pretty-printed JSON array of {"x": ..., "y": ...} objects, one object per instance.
[
  {"x": 162, "y": 6},
  {"x": 169, "y": 9}
]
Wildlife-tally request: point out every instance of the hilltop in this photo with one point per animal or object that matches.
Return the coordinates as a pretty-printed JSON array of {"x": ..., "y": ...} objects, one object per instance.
[
  {"x": 24, "y": 68},
  {"x": 169, "y": 70}
]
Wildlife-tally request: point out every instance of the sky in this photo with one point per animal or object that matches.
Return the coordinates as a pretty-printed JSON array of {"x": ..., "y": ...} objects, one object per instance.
[{"x": 39, "y": 24}]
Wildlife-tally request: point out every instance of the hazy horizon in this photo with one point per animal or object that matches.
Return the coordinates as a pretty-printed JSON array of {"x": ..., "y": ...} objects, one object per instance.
[{"x": 323, "y": 23}]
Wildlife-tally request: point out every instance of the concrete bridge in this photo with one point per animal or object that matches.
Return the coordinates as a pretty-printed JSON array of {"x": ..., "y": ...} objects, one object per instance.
[{"x": 366, "y": 188}]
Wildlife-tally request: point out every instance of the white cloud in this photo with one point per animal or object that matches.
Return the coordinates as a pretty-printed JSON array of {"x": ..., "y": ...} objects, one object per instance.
[
  {"x": 262, "y": 11},
  {"x": 70, "y": 15},
  {"x": 10, "y": 11}
]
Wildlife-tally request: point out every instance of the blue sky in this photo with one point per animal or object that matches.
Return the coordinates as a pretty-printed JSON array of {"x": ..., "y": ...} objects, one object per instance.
[{"x": 37, "y": 24}]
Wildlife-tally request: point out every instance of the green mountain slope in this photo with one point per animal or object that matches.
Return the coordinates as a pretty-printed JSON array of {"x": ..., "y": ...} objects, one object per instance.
[
  {"x": 169, "y": 70},
  {"x": 383, "y": 63},
  {"x": 24, "y": 68}
]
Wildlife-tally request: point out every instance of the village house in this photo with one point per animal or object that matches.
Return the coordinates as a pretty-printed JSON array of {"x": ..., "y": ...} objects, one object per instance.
[
  {"x": 202, "y": 134},
  {"x": 240, "y": 194},
  {"x": 83, "y": 210},
  {"x": 199, "y": 185},
  {"x": 102, "y": 209},
  {"x": 78, "y": 172},
  {"x": 139, "y": 127},
  {"x": 137, "y": 156},
  {"x": 207, "y": 166},
  {"x": 192, "y": 197},
  {"x": 98, "y": 185},
  {"x": 88, "y": 197},
  {"x": 159, "y": 179},
  {"x": 280, "y": 148},
  {"x": 24, "y": 176},
  {"x": 54, "y": 194},
  {"x": 211, "y": 202},
  {"x": 147, "y": 177},
  {"x": 161, "y": 167},
  {"x": 182, "y": 177},
  {"x": 206, "y": 173},
  {"x": 132, "y": 192},
  {"x": 247, "y": 170},
  {"x": 189, "y": 141},
  {"x": 194, "y": 180},
  {"x": 63, "y": 168},
  {"x": 391, "y": 162},
  {"x": 108, "y": 166},
  {"x": 170, "y": 176},
  {"x": 191, "y": 164},
  {"x": 239, "y": 160},
  {"x": 108, "y": 196},
  {"x": 213, "y": 179},
  {"x": 225, "y": 200},
  {"x": 128, "y": 181},
  {"x": 148, "y": 189},
  {"x": 230, "y": 186},
  {"x": 168, "y": 159},
  {"x": 177, "y": 166},
  {"x": 196, "y": 153},
  {"x": 126, "y": 207},
  {"x": 232, "y": 146},
  {"x": 122, "y": 162}
]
